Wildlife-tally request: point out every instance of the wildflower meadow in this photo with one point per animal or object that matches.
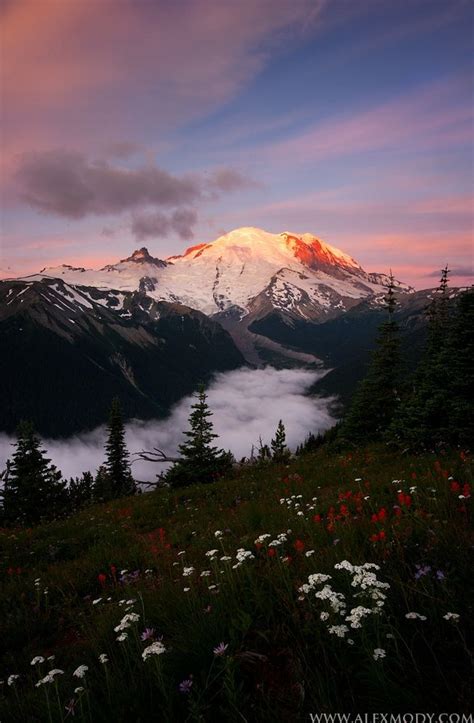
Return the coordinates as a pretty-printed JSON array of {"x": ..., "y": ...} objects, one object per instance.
[{"x": 336, "y": 582}]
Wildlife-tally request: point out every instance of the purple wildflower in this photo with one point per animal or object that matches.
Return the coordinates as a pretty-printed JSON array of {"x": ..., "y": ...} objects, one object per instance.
[
  {"x": 221, "y": 649},
  {"x": 421, "y": 571},
  {"x": 185, "y": 686},
  {"x": 440, "y": 575},
  {"x": 148, "y": 634}
]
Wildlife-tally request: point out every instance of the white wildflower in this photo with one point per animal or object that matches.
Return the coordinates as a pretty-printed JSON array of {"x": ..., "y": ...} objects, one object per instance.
[
  {"x": 37, "y": 659},
  {"x": 379, "y": 653},
  {"x": 415, "y": 616},
  {"x": 339, "y": 630},
  {"x": 451, "y": 616},
  {"x": 81, "y": 671},
  {"x": 12, "y": 678},
  {"x": 156, "y": 648},
  {"x": 103, "y": 658},
  {"x": 187, "y": 571}
]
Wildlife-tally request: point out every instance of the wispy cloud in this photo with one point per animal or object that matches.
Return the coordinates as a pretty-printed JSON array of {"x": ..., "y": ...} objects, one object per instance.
[{"x": 427, "y": 117}]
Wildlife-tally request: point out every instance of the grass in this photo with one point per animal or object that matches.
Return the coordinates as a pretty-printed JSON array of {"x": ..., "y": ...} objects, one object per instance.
[{"x": 67, "y": 585}]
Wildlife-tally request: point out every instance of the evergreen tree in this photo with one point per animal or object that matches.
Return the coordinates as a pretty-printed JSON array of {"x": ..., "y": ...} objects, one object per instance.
[
  {"x": 461, "y": 371},
  {"x": 280, "y": 451},
  {"x": 264, "y": 454},
  {"x": 423, "y": 417},
  {"x": 33, "y": 489},
  {"x": 377, "y": 397},
  {"x": 117, "y": 464},
  {"x": 102, "y": 490},
  {"x": 200, "y": 460},
  {"x": 80, "y": 491}
]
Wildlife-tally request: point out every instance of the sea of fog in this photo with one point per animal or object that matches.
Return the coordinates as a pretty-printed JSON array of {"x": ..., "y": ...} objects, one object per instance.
[{"x": 246, "y": 405}]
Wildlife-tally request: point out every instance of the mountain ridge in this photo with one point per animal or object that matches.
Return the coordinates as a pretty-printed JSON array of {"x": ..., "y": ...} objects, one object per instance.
[{"x": 296, "y": 273}]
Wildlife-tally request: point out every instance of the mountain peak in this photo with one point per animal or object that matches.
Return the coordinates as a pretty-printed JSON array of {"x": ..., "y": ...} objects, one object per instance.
[{"x": 142, "y": 256}]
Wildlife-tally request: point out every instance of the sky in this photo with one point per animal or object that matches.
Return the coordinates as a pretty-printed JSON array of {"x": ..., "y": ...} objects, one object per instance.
[{"x": 137, "y": 122}]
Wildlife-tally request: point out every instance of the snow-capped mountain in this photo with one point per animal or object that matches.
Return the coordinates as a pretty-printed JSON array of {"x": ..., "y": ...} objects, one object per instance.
[{"x": 245, "y": 272}]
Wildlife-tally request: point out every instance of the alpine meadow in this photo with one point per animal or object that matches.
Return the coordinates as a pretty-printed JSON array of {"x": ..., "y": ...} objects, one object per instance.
[{"x": 237, "y": 379}]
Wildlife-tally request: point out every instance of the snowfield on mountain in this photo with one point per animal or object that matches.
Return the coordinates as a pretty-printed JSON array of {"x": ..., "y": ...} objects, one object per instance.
[{"x": 244, "y": 270}]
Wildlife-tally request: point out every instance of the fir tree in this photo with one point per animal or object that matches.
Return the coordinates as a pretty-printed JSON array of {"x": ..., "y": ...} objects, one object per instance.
[
  {"x": 33, "y": 489},
  {"x": 377, "y": 397},
  {"x": 461, "y": 371},
  {"x": 423, "y": 417},
  {"x": 102, "y": 490},
  {"x": 280, "y": 451},
  {"x": 80, "y": 491},
  {"x": 264, "y": 454},
  {"x": 117, "y": 464},
  {"x": 200, "y": 460}
]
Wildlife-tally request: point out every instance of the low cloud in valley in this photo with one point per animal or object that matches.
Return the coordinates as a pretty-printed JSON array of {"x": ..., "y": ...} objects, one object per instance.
[{"x": 247, "y": 404}]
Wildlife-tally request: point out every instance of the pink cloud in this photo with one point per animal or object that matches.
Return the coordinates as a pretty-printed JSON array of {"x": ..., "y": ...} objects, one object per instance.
[{"x": 72, "y": 68}]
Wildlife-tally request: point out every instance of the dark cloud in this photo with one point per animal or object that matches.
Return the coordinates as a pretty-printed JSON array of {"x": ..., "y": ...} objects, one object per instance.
[
  {"x": 228, "y": 180},
  {"x": 458, "y": 271},
  {"x": 153, "y": 225},
  {"x": 67, "y": 183},
  {"x": 122, "y": 149}
]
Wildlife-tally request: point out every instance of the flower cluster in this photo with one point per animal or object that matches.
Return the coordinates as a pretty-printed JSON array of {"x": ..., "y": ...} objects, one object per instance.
[{"x": 367, "y": 586}]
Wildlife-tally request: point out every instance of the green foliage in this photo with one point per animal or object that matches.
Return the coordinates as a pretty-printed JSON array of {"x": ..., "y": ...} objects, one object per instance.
[
  {"x": 377, "y": 397},
  {"x": 438, "y": 410},
  {"x": 63, "y": 594},
  {"x": 33, "y": 489},
  {"x": 80, "y": 491},
  {"x": 115, "y": 480},
  {"x": 280, "y": 452},
  {"x": 200, "y": 460}
]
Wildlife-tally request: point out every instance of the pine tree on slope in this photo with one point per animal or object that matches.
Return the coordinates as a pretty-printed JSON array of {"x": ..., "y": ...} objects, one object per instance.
[
  {"x": 200, "y": 460},
  {"x": 461, "y": 371},
  {"x": 117, "y": 464},
  {"x": 377, "y": 397},
  {"x": 422, "y": 420},
  {"x": 280, "y": 451},
  {"x": 33, "y": 488}
]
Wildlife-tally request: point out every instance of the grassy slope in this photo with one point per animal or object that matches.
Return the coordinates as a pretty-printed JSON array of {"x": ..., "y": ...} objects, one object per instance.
[{"x": 281, "y": 661}]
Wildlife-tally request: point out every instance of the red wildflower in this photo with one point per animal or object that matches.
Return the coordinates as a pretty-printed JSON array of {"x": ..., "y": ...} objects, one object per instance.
[
  {"x": 299, "y": 545},
  {"x": 403, "y": 499},
  {"x": 113, "y": 570},
  {"x": 466, "y": 490},
  {"x": 344, "y": 510},
  {"x": 317, "y": 518},
  {"x": 454, "y": 486},
  {"x": 271, "y": 552},
  {"x": 379, "y": 516},
  {"x": 102, "y": 578}
]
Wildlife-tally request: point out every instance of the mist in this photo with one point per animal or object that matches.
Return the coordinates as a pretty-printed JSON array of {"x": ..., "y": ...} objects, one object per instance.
[{"x": 246, "y": 404}]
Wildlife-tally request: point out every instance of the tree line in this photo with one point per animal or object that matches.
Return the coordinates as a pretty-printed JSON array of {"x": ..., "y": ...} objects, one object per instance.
[
  {"x": 425, "y": 410},
  {"x": 34, "y": 490},
  {"x": 431, "y": 407}
]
